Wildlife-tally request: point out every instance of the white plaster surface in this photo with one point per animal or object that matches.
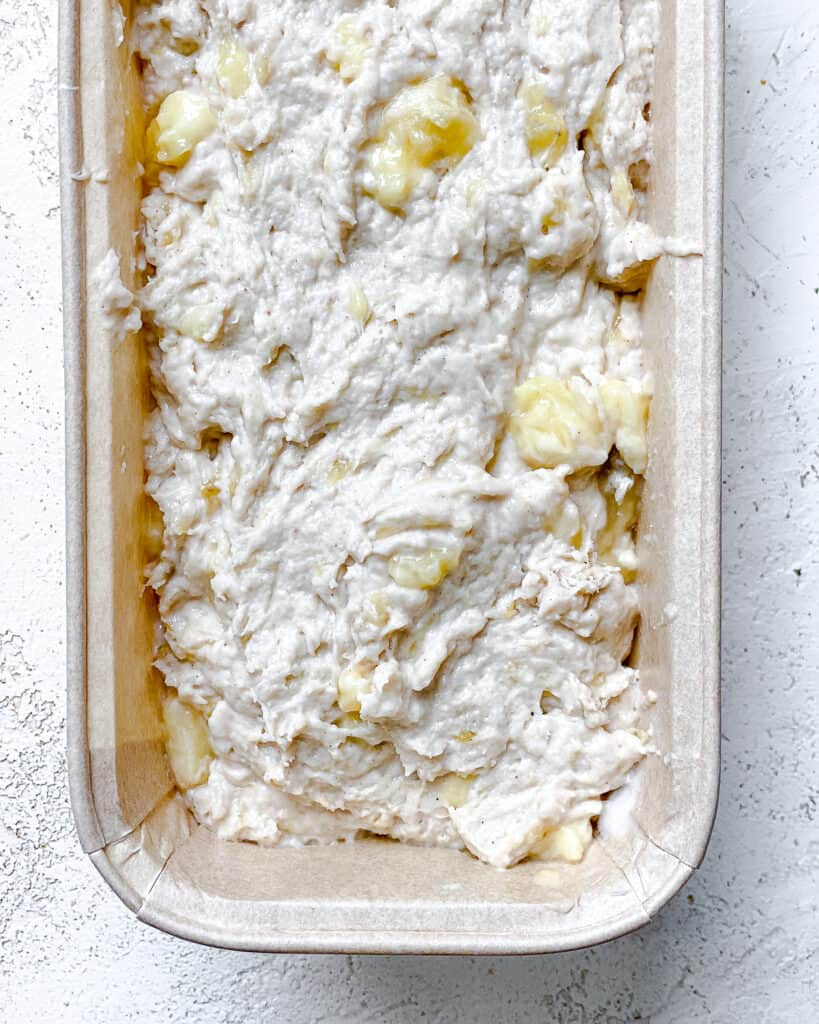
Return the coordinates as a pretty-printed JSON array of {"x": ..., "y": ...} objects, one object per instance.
[{"x": 740, "y": 943}]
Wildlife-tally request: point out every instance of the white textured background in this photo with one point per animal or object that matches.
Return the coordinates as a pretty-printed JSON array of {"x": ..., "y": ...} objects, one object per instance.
[{"x": 740, "y": 944}]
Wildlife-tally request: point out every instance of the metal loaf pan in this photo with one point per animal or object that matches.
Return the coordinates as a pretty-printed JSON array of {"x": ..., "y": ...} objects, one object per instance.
[{"x": 377, "y": 896}]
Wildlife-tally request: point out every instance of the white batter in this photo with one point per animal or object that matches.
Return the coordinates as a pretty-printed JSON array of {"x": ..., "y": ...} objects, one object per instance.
[{"x": 393, "y": 593}]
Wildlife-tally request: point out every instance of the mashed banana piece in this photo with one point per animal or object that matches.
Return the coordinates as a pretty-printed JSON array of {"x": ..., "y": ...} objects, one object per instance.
[
  {"x": 571, "y": 423},
  {"x": 183, "y": 121},
  {"x": 546, "y": 131},
  {"x": 400, "y": 413},
  {"x": 427, "y": 124},
  {"x": 187, "y": 743}
]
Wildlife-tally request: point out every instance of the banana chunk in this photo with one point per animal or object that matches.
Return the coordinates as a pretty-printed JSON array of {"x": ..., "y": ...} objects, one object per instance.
[
  {"x": 233, "y": 68},
  {"x": 454, "y": 790},
  {"x": 424, "y": 571},
  {"x": 567, "y": 843},
  {"x": 187, "y": 742},
  {"x": 559, "y": 423},
  {"x": 353, "y": 684},
  {"x": 349, "y": 48},
  {"x": 573, "y": 423},
  {"x": 627, "y": 410},
  {"x": 546, "y": 131},
  {"x": 183, "y": 121},
  {"x": 426, "y": 124}
]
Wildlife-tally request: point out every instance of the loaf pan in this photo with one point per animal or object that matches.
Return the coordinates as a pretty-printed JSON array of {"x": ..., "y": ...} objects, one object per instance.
[{"x": 376, "y": 896}]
